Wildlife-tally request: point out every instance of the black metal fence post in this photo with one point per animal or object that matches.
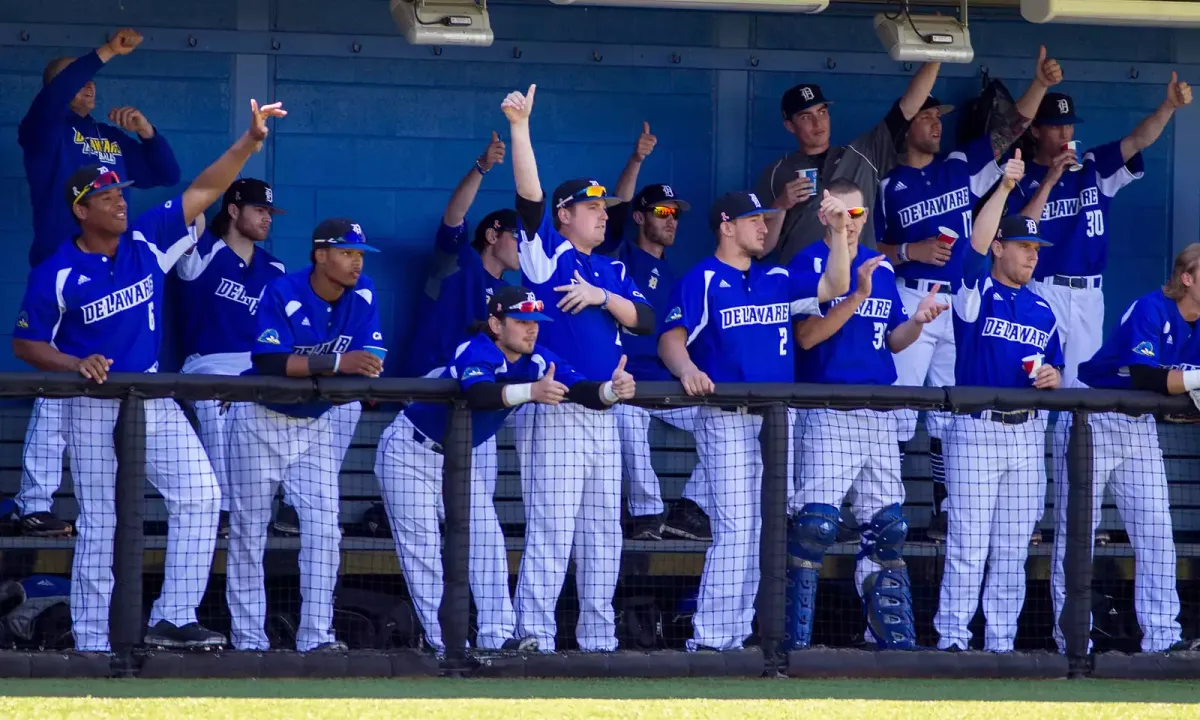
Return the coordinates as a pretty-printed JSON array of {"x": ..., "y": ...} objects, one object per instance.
[
  {"x": 454, "y": 615},
  {"x": 772, "y": 586},
  {"x": 1076, "y": 620},
  {"x": 125, "y": 613}
]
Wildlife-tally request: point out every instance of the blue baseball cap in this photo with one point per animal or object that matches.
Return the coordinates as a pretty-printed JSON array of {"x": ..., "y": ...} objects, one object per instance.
[
  {"x": 341, "y": 233},
  {"x": 1019, "y": 227},
  {"x": 732, "y": 206},
  {"x": 1056, "y": 109},
  {"x": 92, "y": 178},
  {"x": 517, "y": 302}
]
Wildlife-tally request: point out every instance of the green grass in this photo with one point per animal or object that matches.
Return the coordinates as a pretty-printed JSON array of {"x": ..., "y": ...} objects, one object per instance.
[{"x": 579, "y": 699}]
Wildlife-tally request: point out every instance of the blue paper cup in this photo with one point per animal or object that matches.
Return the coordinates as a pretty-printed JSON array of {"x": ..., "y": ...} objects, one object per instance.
[
  {"x": 811, "y": 175},
  {"x": 378, "y": 352}
]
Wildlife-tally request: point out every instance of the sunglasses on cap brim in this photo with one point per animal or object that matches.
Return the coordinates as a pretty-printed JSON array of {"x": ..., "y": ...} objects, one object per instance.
[
  {"x": 104, "y": 180},
  {"x": 591, "y": 192}
]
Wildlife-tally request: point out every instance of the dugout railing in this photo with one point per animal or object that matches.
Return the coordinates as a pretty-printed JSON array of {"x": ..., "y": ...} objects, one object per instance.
[{"x": 765, "y": 658}]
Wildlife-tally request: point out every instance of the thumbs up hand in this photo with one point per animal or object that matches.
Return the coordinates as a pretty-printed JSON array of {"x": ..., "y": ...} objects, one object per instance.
[
  {"x": 549, "y": 391},
  {"x": 1048, "y": 73},
  {"x": 1179, "y": 93},
  {"x": 645, "y": 143},
  {"x": 622, "y": 382},
  {"x": 1014, "y": 170},
  {"x": 494, "y": 154}
]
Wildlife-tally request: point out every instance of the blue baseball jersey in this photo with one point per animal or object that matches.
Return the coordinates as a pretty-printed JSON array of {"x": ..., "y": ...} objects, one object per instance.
[
  {"x": 591, "y": 340},
  {"x": 454, "y": 298},
  {"x": 220, "y": 295},
  {"x": 858, "y": 353},
  {"x": 1075, "y": 215},
  {"x": 739, "y": 323},
  {"x": 996, "y": 326},
  {"x": 655, "y": 278},
  {"x": 478, "y": 361},
  {"x": 1151, "y": 333},
  {"x": 913, "y": 203},
  {"x": 90, "y": 304},
  {"x": 293, "y": 319}
]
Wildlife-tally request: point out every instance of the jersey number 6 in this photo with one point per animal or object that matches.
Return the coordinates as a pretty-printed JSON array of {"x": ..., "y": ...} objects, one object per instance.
[{"x": 151, "y": 313}]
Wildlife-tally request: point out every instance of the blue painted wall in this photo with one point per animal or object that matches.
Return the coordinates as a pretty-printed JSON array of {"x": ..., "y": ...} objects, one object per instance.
[{"x": 384, "y": 134}]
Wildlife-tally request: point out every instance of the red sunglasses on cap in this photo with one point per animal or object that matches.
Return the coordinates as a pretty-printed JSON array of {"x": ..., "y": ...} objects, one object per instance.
[{"x": 102, "y": 181}]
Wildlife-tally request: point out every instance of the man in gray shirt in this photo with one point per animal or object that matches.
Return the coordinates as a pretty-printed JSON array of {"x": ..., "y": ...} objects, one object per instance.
[{"x": 864, "y": 161}]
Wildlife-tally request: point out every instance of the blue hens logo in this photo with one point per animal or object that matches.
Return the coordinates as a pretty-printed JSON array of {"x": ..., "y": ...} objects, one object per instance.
[
  {"x": 472, "y": 372},
  {"x": 1144, "y": 349},
  {"x": 675, "y": 314},
  {"x": 23, "y": 320},
  {"x": 269, "y": 337}
]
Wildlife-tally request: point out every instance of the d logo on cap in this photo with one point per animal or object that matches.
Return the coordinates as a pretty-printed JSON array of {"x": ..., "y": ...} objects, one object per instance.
[
  {"x": 667, "y": 191},
  {"x": 1064, "y": 107},
  {"x": 1031, "y": 226},
  {"x": 807, "y": 93},
  {"x": 270, "y": 196}
]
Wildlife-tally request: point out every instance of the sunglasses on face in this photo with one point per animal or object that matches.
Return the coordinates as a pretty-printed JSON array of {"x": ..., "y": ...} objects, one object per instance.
[
  {"x": 662, "y": 213},
  {"x": 101, "y": 182},
  {"x": 856, "y": 212}
]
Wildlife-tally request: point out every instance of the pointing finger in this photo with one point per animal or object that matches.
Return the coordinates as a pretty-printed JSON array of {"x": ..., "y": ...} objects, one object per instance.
[{"x": 934, "y": 290}]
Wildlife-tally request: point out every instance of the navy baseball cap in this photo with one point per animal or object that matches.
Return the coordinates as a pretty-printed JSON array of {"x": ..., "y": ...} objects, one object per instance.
[
  {"x": 732, "y": 206},
  {"x": 499, "y": 220},
  {"x": 251, "y": 191},
  {"x": 517, "y": 302},
  {"x": 654, "y": 195},
  {"x": 89, "y": 179},
  {"x": 341, "y": 233},
  {"x": 581, "y": 190},
  {"x": 1057, "y": 109},
  {"x": 801, "y": 98},
  {"x": 1019, "y": 227},
  {"x": 933, "y": 102}
]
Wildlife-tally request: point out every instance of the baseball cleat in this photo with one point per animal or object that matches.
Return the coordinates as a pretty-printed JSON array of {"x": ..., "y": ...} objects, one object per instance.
[
  {"x": 937, "y": 528},
  {"x": 193, "y": 636},
  {"x": 687, "y": 521},
  {"x": 645, "y": 527},
  {"x": 337, "y": 646},
  {"x": 44, "y": 524}
]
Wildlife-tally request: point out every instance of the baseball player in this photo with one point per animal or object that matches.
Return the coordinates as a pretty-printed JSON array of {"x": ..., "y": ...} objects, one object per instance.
[
  {"x": 995, "y": 461},
  {"x": 223, "y": 279},
  {"x": 570, "y": 461},
  {"x": 730, "y": 322},
  {"x": 851, "y": 340},
  {"x": 58, "y": 135},
  {"x": 96, "y": 306},
  {"x": 464, "y": 275},
  {"x": 656, "y": 212},
  {"x": 320, "y": 320},
  {"x": 787, "y": 184},
  {"x": 923, "y": 205},
  {"x": 499, "y": 369},
  {"x": 1071, "y": 193},
  {"x": 1153, "y": 349}
]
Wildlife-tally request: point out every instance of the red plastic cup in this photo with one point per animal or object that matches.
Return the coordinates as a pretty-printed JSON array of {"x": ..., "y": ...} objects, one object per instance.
[
  {"x": 1073, "y": 146},
  {"x": 946, "y": 235},
  {"x": 1031, "y": 364}
]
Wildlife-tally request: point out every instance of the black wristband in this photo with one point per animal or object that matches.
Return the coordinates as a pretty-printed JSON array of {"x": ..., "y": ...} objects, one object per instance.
[{"x": 321, "y": 364}]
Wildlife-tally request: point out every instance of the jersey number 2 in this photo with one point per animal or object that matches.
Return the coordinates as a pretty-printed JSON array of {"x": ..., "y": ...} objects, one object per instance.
[{"x": 782, "y": 341}]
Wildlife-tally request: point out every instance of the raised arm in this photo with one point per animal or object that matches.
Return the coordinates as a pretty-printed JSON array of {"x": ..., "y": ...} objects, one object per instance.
[
  {"x": 983, "y": 232},
  {"x": 1046, "y": 75},
  {"x": 464, "y": 194},
  {"x": 517, "y": 108},
  {"x": 1033, "y": 208},
  {"x": 216, "y": 178},
  {"x": 919, "y": 88},
  {"x": 627, "y": 182},
  {"x": 835, "y": 280},
  {"x": 1179, "y": 94}
]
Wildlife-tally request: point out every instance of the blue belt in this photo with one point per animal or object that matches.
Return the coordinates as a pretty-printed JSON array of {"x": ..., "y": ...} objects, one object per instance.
[{"x": 421, "y": 439}]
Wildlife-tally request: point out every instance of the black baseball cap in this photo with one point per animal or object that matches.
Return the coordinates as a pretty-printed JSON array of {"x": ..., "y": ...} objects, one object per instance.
[
  {"x": 89, "y": 179},
  {"x": 653, "y": 195},
  {"x": 732, "y": 206},
  {"x": 341, "y": 233},
  {"x": 499, "y": 220},
  {"x": 517, "y": 302},
  {"x": 250, "y": 191},
  {"x": 933, "y": 102},
  {"x": 1057, "y": 109},
  {"x": 801, "y": 98},
  {"x": 580, "y": 190},
  {"x": 1019, "y": 227}
]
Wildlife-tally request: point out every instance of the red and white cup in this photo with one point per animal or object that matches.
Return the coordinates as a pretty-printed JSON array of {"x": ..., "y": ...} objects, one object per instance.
[
  {"x": 1031, "y": 364},
  {"x": 1073, "y": 146},
  {"x": 947, "y": 236}
]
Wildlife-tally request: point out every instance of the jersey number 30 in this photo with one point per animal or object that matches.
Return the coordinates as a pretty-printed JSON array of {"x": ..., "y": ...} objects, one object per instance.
[{"x": 880, "y": 331}]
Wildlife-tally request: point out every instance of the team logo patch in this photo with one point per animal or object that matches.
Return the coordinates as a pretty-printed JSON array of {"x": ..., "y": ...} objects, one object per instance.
[
  {"x": 23, "y": 320},
  {"x": 1144, "y": 348},
  {"x": 653, "y": 282},
  {"x": 675, "y": 314},
  {"x": 376, "y": 335},
  {"x": 472, "y": 372},
  {"x": 269, "y": 337}
]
